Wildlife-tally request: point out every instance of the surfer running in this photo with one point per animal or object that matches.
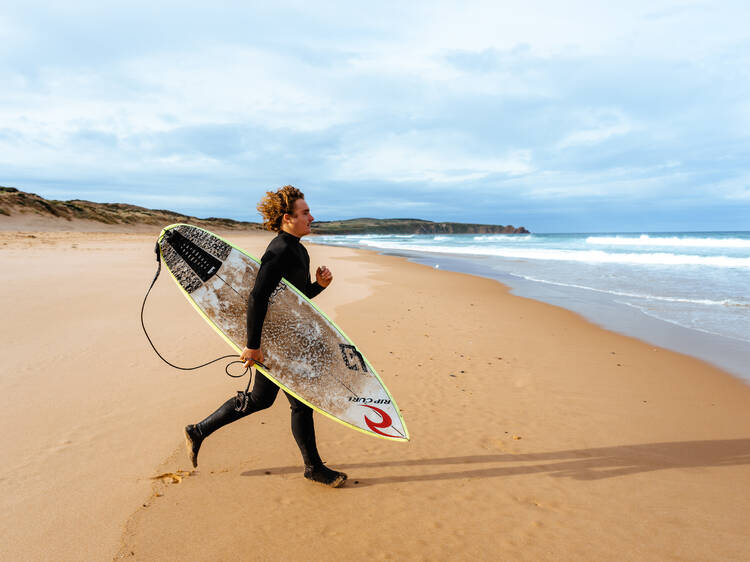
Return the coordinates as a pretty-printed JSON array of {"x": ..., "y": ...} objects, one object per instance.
[{"x": 286, "y": 212}]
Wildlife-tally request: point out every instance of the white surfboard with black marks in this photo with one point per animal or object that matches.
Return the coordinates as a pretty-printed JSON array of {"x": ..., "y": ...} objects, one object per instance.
[{"x": 306, "y": 354}]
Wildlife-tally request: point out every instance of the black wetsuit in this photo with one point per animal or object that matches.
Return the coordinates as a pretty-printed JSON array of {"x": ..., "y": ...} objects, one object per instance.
[{"x": 284, "y": 257}]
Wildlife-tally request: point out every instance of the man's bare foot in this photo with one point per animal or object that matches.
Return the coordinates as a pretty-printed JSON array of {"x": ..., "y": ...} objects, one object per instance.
[
  {"x": 324, "y": 475},
  {"x": 193, "y": 440}
]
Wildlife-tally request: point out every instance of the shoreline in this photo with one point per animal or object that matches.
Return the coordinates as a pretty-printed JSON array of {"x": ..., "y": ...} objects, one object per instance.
[
  {"x": 726, "y": 353},
  {"x": 605, "y": 422}
]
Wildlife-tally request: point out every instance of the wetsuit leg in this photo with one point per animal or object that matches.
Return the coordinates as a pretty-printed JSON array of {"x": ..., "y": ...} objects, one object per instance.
[
  {"x": 303, "y": 429},
  {"x": 261, "y": 397}
]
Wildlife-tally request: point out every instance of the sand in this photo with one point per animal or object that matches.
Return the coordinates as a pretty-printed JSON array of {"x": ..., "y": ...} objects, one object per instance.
[{"x": 535, "y": 434}]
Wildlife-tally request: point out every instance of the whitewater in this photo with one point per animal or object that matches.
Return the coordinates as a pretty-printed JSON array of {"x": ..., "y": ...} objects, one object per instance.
[{"x": 636, "y": 283}]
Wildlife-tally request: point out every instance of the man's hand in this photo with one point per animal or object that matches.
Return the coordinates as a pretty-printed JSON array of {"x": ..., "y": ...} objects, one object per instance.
[
  {"x": 250, "y": 356},
  {"x": 323, "y": 276}
]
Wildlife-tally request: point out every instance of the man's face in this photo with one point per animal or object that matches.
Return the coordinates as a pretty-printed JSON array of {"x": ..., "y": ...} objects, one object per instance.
[{"x": 299, "y": 223}]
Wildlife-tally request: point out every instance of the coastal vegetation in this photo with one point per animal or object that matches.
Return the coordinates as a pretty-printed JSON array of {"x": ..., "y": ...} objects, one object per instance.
[
  {"x": 13, "y": 201},
  {"x": 409, "y": 226}
]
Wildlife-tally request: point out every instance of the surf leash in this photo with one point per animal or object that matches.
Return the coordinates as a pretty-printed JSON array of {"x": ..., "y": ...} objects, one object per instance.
[{"x": 226, "y": 367}]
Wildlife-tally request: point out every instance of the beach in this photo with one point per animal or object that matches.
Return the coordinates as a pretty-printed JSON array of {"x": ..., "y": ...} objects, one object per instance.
[{"x": 536, "y": 435}]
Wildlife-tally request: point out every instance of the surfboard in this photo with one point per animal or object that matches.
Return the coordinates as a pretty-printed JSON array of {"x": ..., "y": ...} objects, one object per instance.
[{"x": 306, "y": 353}]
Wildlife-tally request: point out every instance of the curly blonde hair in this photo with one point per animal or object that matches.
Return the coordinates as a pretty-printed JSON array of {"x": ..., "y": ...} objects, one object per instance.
[{"x": 275, "y": 204}]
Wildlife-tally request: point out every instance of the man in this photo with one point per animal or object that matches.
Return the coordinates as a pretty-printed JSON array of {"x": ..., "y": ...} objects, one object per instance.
[{"x": 286, "y": 212}]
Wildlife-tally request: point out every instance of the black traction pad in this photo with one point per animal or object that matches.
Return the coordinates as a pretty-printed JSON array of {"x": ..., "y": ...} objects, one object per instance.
[{"x": 193, "y": 257}]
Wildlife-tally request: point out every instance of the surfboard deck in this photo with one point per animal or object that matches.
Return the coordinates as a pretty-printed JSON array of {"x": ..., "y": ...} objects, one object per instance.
[{"x": 306, "y": 354}]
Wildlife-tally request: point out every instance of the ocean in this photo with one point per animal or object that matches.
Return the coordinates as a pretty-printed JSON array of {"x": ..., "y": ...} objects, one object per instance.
[{"x": 686, "y": 291}]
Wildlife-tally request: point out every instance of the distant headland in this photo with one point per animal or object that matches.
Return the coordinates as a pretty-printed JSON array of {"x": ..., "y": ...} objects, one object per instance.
[
  {"x": 14, "y": 202},
  {"x": 410, "y": 226}
]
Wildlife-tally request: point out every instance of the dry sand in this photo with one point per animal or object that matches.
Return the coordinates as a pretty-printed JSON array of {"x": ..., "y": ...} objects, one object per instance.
[{"x": 535, "y": 434}]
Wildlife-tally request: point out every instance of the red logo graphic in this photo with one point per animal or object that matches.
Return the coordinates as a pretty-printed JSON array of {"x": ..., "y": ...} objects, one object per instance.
[{"x": 384, "y": 422}]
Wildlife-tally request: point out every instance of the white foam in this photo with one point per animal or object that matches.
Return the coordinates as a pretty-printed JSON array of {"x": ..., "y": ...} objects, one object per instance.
[
  {"x": 589, "y": 256},
  {"x": 503, "y": 237},
  {"x": 672, "y": 241},
  {"x": 364, "y": 238}
]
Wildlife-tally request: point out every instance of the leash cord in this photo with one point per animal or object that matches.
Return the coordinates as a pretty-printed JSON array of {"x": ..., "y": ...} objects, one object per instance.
[{"x": 143, "y": 325}]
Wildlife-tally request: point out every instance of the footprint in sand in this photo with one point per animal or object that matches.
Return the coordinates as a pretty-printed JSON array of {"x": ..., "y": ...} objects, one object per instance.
[{"x": 174, "y": 477}]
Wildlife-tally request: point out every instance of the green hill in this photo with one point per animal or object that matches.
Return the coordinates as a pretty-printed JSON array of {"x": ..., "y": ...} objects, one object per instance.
[
  {"x": 409, "y": 226},
  {"x": 16, "y": 202}
]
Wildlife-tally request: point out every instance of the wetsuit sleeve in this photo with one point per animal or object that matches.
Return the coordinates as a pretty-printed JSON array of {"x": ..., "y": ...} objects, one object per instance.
[
  {"x": 269, "y": 276},
  {"x": 313, "y": 290}
]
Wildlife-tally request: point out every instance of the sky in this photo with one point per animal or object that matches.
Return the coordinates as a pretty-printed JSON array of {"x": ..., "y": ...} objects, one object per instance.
[{"x": 558, "y": 116}]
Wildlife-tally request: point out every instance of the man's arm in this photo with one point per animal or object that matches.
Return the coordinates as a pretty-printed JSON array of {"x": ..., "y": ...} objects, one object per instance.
[
  {"x": 323, "y": 278},
  {"x": 268, "y": 278}
]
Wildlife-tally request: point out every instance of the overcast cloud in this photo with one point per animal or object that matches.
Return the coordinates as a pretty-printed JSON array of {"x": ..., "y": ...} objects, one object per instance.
[{"x": 574, "y": 116}]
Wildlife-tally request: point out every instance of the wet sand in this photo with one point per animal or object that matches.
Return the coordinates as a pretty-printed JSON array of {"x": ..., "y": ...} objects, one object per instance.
[{"x": 535, "y": 434}]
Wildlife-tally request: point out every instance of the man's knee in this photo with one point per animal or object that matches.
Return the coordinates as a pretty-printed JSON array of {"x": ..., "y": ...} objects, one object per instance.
[
  {"x": 300, "y": 409},
  {"x": 262, "y": 402}
]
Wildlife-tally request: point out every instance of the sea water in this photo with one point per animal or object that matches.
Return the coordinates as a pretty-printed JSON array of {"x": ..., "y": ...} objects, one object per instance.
[{"x": 688, "y": 291}]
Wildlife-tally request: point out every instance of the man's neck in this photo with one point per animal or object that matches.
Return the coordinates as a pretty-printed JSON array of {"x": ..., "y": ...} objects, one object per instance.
[{"x": 289, "y": 233}]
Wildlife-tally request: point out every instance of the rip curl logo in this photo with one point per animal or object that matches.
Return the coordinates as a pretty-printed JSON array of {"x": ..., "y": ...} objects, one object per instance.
[
  {"x": 385, "y": 421},
  {"x": 367, "y": 400}
]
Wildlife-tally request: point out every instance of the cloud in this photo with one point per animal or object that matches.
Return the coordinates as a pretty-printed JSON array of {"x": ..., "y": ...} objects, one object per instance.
[
  {"x": 426, "y": 105},
  {"x": 431, "y": 157},
  {"x": 602, "y": 125}
]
